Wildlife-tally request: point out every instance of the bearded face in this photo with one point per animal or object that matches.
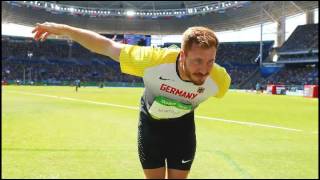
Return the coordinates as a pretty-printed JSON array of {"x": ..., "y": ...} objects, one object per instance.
[{"x": 197, "y": 63}]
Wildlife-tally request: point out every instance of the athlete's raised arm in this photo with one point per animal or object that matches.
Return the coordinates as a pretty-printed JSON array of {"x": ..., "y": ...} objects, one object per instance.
[{"x": 89, "y": 39}]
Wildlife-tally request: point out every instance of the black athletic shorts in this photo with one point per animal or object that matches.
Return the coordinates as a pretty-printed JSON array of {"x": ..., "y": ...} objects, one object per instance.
[{"x": 168, "y": 140}]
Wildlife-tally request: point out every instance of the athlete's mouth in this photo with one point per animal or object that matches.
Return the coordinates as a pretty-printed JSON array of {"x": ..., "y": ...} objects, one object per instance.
[{"x": 200, "y": 76}]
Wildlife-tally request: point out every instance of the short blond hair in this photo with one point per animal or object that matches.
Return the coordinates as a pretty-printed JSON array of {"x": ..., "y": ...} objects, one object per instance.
[{"x": 202, "y": 36}]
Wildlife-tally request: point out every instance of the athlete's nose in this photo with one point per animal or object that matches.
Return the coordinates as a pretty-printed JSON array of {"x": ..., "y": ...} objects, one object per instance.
[{"x": 204, "y": 71}]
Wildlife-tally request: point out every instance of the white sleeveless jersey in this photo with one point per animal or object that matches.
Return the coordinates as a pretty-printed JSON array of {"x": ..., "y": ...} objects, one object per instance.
[{"x": 166, "y": 95}]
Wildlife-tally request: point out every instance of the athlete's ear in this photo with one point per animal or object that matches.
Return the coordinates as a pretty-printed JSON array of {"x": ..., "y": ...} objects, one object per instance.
[{"x": 182, "y": 55}]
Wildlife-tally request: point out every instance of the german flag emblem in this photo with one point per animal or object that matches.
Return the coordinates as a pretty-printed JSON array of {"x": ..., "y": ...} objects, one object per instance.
[{"x": 200, "y": 90}]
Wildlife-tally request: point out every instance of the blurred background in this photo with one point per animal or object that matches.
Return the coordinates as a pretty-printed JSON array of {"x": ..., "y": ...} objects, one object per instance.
[{"x": 261, "y": 42}]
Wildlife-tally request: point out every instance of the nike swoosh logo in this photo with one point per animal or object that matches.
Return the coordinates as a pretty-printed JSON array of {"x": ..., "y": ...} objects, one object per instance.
[
  {"x": 161, "y": 78},
  {"x": 183, "y": 161}
]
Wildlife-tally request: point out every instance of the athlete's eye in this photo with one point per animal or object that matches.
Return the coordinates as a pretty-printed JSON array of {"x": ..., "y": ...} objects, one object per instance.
[{"x": 197, "y": 62}]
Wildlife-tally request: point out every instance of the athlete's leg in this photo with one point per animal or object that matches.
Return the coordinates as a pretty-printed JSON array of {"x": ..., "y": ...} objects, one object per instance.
[
  {"x": 177, "y": 174},
  {"x": 157, "y": 173},
  {"x": 150, "y": 149},
  {"x": 181, "y": 148}
]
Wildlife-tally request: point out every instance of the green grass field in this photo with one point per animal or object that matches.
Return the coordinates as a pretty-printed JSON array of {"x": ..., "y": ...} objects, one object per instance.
[{"x": 54, "y": 132}]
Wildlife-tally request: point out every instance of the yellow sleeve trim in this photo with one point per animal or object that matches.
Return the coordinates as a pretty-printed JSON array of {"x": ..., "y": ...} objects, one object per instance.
[
  {"x": 135, "y": 59},
  {"x": 222, "y": 78}
]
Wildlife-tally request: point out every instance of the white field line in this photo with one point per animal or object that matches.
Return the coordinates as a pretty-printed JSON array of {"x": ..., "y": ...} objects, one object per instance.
[
  {"x": 137, "y": 108},
  {"x": 248, "y": 123}
]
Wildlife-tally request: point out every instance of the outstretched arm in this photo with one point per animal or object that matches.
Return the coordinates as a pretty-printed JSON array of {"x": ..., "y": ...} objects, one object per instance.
[{"x": 89, "y": 39}]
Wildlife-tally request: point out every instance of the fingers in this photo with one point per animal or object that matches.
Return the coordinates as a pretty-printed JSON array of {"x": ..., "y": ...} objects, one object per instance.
[
  {"x": 38, "y": 34},
  {"x": 44, "y": 37},
  {"x": 37, "y": 31},
  {"x": 42, "y": 31}
]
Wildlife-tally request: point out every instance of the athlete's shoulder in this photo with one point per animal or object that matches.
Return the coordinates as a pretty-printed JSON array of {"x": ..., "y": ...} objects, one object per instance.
[
  {"x": 221, "y": 77},
  {"x": 135, "y": 59}
]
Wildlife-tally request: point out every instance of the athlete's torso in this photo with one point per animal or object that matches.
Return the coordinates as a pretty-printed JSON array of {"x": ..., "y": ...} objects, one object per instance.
[{"x": 166, "y": 95}]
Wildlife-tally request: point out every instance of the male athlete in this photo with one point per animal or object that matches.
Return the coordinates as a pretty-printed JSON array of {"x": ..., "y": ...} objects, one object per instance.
[{"x": 176, "y": 82}]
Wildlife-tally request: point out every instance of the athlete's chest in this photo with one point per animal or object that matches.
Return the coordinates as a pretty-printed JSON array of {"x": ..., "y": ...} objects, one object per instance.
[{"x": 163, "y": 80}]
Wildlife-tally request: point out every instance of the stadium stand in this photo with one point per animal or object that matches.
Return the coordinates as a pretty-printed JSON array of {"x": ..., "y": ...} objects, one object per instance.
[
  {"x": 54, "y": 62},
  {"x": 300, "y": 57},
  {"x": 304, "y": 38},
  {"x": 241, "y": 59},
  {"x": 62, "y": 61}
]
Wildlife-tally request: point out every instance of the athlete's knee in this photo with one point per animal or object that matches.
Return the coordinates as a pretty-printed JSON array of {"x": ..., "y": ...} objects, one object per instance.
[
  {"x": 157, "y": 173},
  {"x": 177, "y": 174}
]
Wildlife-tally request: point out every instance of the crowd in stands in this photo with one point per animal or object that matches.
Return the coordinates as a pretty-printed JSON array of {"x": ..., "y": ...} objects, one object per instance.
[
  {"x": 301, "y": 47},
  {"x": 239, "y": 75},
  {"x": 300, "y": 52},
  {"x": 64, "y": 72},
  {"x": 311, "y": 57},
  {"x": 241, "y": 59},
  {"x": 56, "y": 60},
  {"x": 242, "y": 52},
  {"x": 294, "y": 76},
  {"x": 62, "y": 60}
]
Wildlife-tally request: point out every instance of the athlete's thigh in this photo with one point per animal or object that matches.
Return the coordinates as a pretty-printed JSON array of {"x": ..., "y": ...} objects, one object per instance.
[
  {"x": 150, "y": 146},
  {"x": 180, "y": 151}
]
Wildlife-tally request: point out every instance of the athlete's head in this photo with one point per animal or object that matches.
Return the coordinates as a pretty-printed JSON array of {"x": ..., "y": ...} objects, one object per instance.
[{"x": 198, "y": 53}]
